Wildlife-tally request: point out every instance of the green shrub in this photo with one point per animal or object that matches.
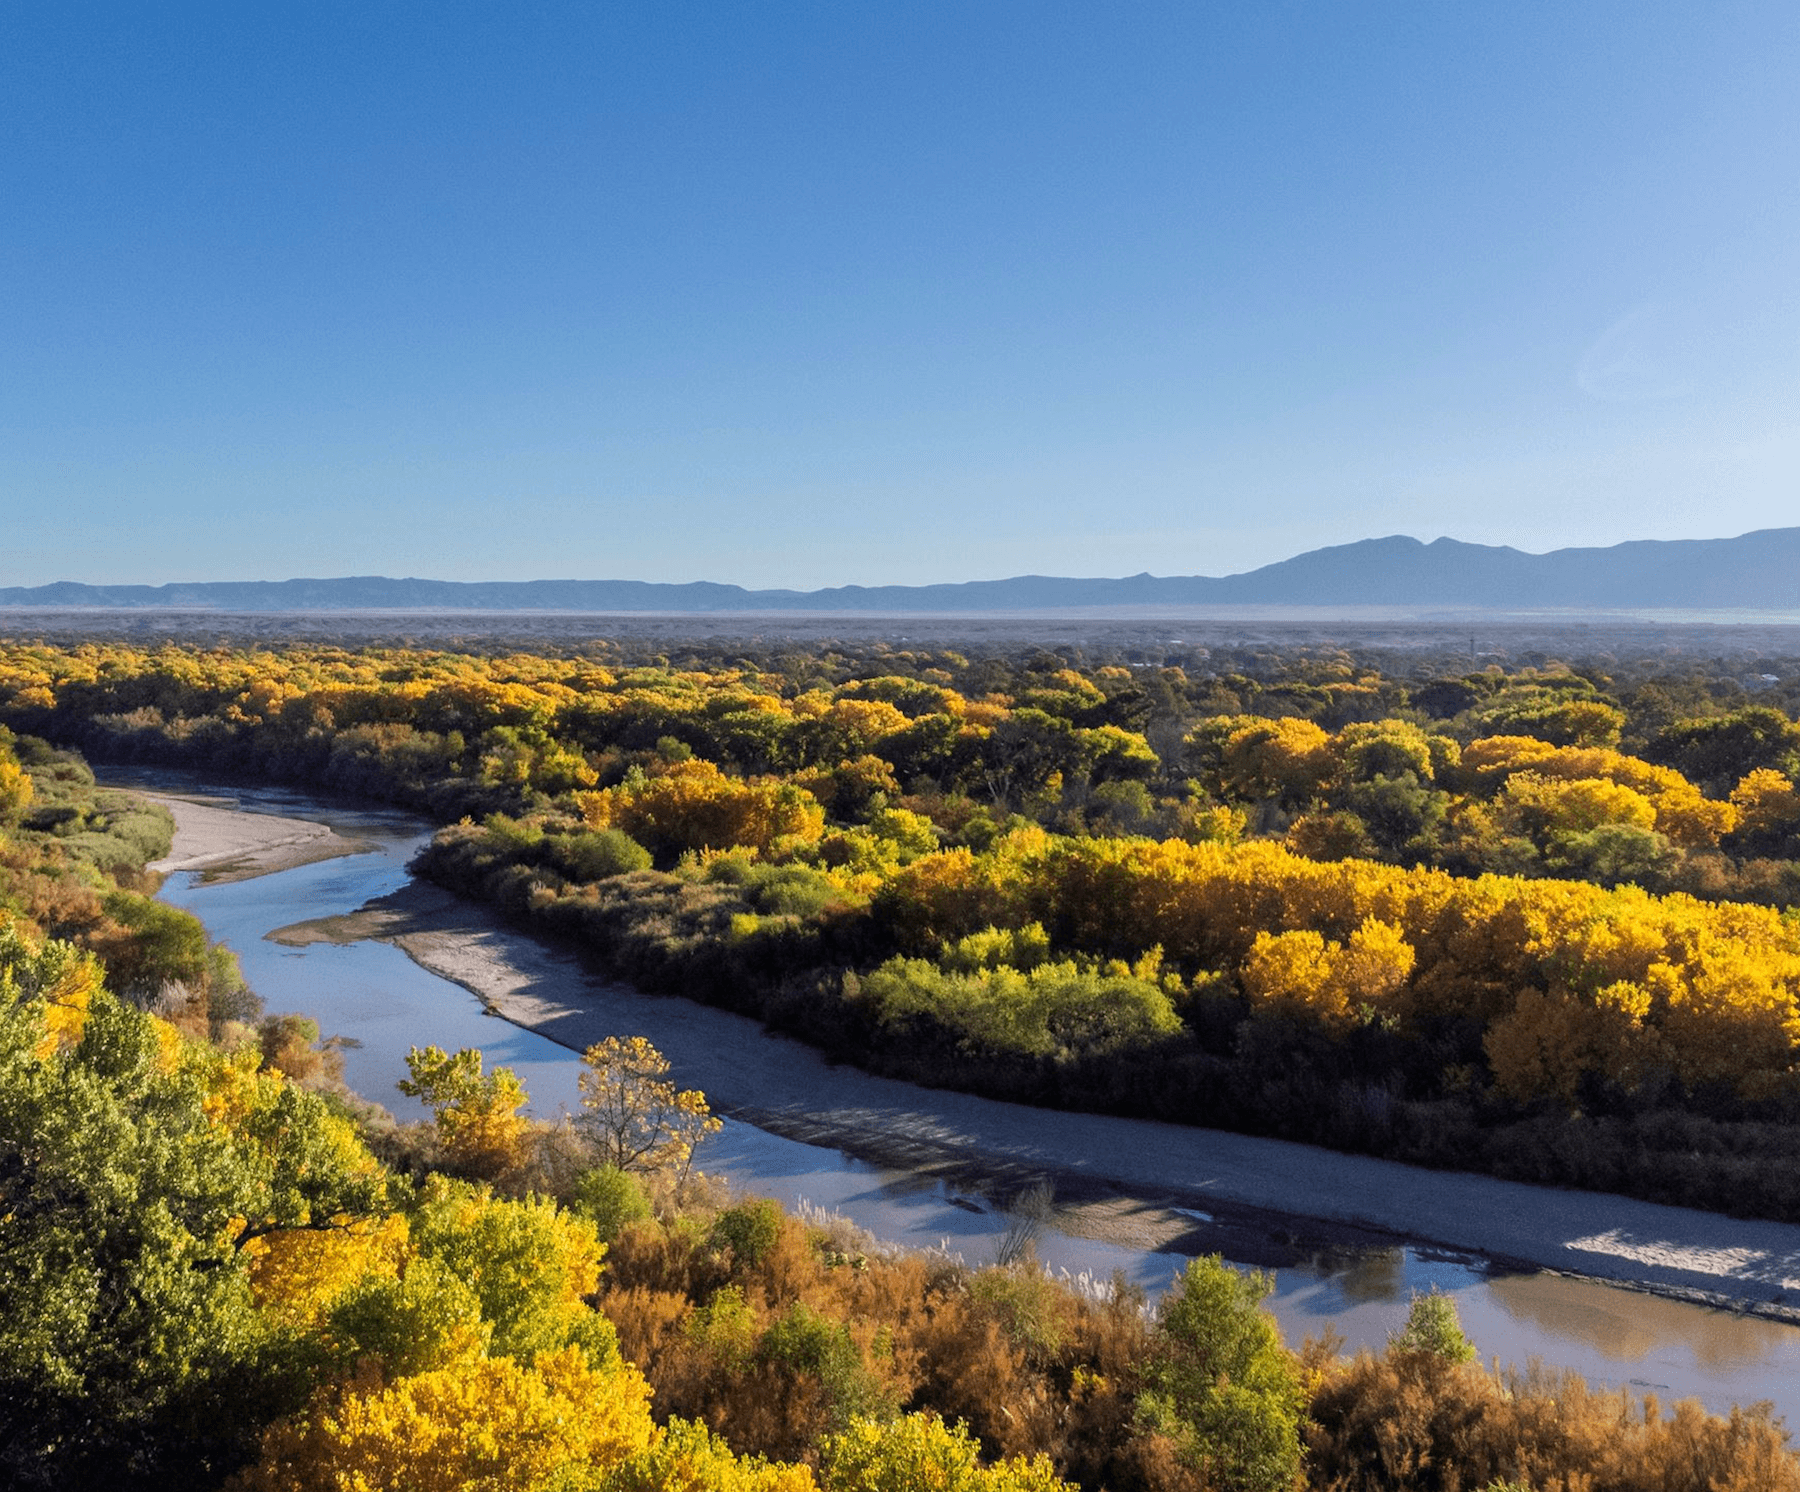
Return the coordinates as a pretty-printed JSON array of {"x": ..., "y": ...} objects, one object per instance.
[
  {"x": 749, "y": 1230},
  {"x": 608, "y": 1198},
  {"x": 593, "y": 855},
  {"x": 1433, "y": 1326}
]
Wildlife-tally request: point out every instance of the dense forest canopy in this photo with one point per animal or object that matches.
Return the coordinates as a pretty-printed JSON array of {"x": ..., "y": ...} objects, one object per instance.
[{"x": 1533, "y": 919}]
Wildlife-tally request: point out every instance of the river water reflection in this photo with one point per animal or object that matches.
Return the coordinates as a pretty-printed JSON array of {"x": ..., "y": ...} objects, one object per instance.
[{"x": 376, "y": 997}]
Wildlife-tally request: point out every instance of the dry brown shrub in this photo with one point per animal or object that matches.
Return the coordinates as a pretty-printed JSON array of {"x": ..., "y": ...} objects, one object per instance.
[
  {"x": 62, "y": 906},
  {"x": 1150, "y": 1463},
  {"x": 1413, "y": 1421},
  {"x": 648, "y": 1322},
  {"x": 790, "y": 1270},
  {"x": 970, "y": 1371},
  {"x": 769, "y": 1412},
  {"x": 650, "y": 1254}
]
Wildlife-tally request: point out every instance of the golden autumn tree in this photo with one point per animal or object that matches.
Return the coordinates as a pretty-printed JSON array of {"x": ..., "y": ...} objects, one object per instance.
[
  {"x": 685, "y": 1456},
  {"x": 484, "y": 1425},
  {"x": 634, "y": 1115},
  {"x": 297, "y": 1274},
  {"x": 59, "y": 974},
  {"x": 1329, "y": 979},
  {"x": 15, "y": 783},
  {"x": 477, "y": 1115},
  {"x": 919, "y": 1451},
  {"x": 692, "y": 805}
]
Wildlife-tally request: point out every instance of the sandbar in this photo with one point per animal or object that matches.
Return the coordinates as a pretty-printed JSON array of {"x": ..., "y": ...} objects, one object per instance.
[{"x": 229, "y": 844}]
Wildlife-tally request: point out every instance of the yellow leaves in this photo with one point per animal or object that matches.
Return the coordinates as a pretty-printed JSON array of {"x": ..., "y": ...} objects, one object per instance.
[
  {"x": 478, "y": 1119},
  {"x": 1728, "y": 1019},
  {"x": 688, "y": 1457},
  {"x": 865, "y": 721},
  {"x": 1676, "y": 808},
  {"x": 1376, "y": 962},
  {"x": 298, "y": 1273},
  {"x": 62, "y": 977},
  {"x": 1767, "y": 802},
  {"x": 1287, "y": 758},
  {"x": 920, "y": 1451},
  {"x": 1292, "y": 968},
  {"x": 1692, "y": 820},
  {"x": 1550, "y": 1041},
  {"x": 1210, "y": 823},
  {"x": 1720, "y": 978},
  {"x": 1491, "y": 758},
  {"x": 1564, "y": 806},
  {"x": 15, "y": 787},
  {"x": 1329, "y": 979},
  {"x": 692, "y": 805},
  {"x": 488, "y": 1425},
  {"x": 638, "y": 1118}
]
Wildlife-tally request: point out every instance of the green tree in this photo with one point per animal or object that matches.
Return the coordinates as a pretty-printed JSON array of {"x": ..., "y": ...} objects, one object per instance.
[
  {"x": 531, "y": 1266},
  {"x": 478, "y": 1119},
  {"x": 131, "y": 1351},
  {"x": 1220, "y": 1385},
  {"x": 1719, "y": 752},
  {"x": 1433, "y": 1326}
]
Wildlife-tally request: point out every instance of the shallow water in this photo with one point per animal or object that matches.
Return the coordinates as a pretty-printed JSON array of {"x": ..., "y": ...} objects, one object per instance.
[{"x": 374, "y": 995}]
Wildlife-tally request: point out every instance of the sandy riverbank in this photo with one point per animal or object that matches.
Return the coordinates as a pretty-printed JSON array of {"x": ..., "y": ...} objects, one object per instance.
[
  {"x": 1122, "y": 1179},
  {"x": 228, "y": 844}
]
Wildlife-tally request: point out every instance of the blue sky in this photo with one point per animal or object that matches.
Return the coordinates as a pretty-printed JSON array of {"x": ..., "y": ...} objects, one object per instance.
[{"x": 792, "y": 294}]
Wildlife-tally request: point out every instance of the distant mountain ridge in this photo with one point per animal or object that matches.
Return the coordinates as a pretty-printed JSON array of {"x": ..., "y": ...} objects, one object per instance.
[{"x": 1758, "y": 570}]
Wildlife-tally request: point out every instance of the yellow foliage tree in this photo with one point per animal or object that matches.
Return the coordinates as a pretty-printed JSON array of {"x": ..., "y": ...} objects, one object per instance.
[
  {"x": 15, "y": 787},
  {"x": 487, "y": 1425},
  {"x": 1552, "y": 805},
  {"x": 685, "y": 1456},
  {"x": 1289, "y": 759},
  {"x": 920, "y": 1451},
  {"x": 1330, "y": 979},
  {"x": 636, "y": 1116},
  {"x": 60, "y": 975},
  {"x": 298, "y": 1273},
  {"x": 692, "y": 805},
  {"x": 1678, "y": 810},
  {"x": 478, "y": 1119},
  {"x": 1768, "y": 802}
]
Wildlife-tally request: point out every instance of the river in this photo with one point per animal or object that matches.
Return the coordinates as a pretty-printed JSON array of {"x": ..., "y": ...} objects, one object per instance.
[{"x": 382, "y": 1003}]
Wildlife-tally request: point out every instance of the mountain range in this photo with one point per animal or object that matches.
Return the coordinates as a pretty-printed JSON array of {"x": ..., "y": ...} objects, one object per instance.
[{"x": 1758, "y": 571}]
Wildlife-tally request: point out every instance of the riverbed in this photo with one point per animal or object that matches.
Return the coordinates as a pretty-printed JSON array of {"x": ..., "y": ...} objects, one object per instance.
[{"x": 924, "y": 1178}]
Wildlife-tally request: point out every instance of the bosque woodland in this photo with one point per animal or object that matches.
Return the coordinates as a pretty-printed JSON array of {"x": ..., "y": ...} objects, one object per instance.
[{"x": 1532, "y": 918}]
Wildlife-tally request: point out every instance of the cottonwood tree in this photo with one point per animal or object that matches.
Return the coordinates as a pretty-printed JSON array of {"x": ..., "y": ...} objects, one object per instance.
[
  {"x": 634, "y": 1114},
  {"x": 477, "y": 1114}
]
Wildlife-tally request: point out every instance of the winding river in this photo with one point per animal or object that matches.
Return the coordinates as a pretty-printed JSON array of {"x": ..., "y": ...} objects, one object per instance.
[{"x": 382, "y": 1002}]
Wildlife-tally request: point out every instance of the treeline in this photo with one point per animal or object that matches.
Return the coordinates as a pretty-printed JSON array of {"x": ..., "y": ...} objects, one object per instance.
[{"x": 1525, "y": 921}]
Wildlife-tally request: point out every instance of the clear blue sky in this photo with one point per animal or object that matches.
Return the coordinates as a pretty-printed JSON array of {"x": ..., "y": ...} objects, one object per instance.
[{"x": 793, "y": 294}]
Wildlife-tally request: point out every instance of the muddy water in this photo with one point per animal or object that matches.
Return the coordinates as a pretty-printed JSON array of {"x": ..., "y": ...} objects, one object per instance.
[{"x": 373, "y": 995}]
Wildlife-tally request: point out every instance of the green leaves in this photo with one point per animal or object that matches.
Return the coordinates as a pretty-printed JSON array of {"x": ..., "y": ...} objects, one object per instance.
[
  {"x": 123, "y": 1308},
  {"x": 1219, "y": 1383},
  {"x": 131, "y": 1172}
]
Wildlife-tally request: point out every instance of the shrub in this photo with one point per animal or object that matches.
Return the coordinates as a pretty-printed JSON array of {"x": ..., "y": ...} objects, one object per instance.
[
  {"x": 750, "y": 1231},
  {"x": 1433, "y": 1326},
  {"x": 608, "y": 1198}
]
